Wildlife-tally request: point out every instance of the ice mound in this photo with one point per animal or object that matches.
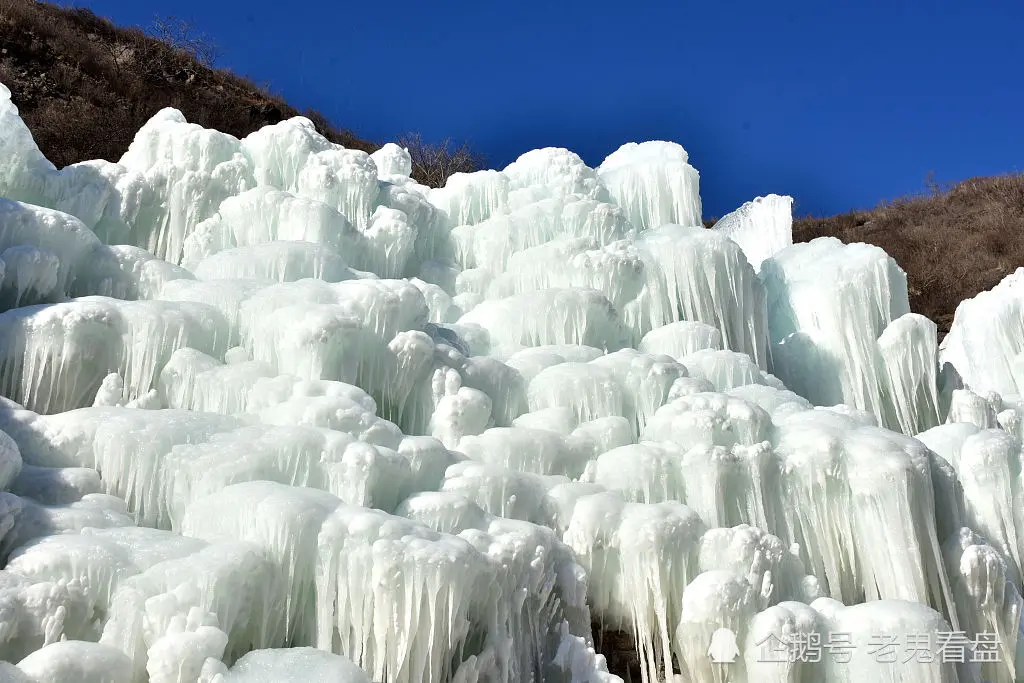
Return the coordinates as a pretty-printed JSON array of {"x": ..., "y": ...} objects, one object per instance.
[
  {"x": 490, "y": 245},
  {"x": 292, "y": 665},
  {"x": 470, "y": 587},
  {"x": 266, "y": 395},
  {"x": 220, "y": 586},
  {"x": 524, "y": 450},
  {"x": 176, "y": 177},
  {"x": 498, "y": 490},
  {"x": 701, "y": 276},
  {"x": 575, "y": 317},
  {"x": 26, "y": 166},
  {"x": 988, "y": 466},
  {"x": 726, "y": 370},
  {"x": 984, "y": 342},
  {"x": 558, "y": 171},
  {"x": 709, "y": 419},
  {"x": 194, "y": 381},
  {"x": 653, "y": 183},
  {"x": 54, "y": 358},
  {"x": 287, "y": 522},
  {"x": 27, "y": 520},
  {"x": 470, "y": 198},
  {"x": 55, "y": 485},
  {"x": 862, "y": 463},
  {"x": 104, "y": 196},
  {"x": 681, "y": 339},
  {"x": 293, "y": 157},
  {"x": 335, "y": 331},
  {"x": 842, "y": 332},
  {"x": 910, "y": 374},
  {"x": 264, "y": 216},
  {"x": 161, "y": 460},
  {"x": 71, "y": 660},
  {"x": 42, "y": 251},
  {"x": 37, "y": 614},
  {"x": 392, "y": 160},
  {"x": 47, "y": 256},
  {"x": 762, "y": 227},
  {"x": 625, "y": 383}
]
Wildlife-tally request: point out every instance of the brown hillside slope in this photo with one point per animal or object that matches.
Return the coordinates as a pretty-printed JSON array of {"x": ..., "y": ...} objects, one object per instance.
[
  {"x": 85, "y": 86},
  {"x": 952, "y": 243}
]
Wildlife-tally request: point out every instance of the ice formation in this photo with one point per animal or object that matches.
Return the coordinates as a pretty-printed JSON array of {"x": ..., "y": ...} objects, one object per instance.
[
  {"x": 273, "y": 411},
  {"x": 762, "y": 227}
]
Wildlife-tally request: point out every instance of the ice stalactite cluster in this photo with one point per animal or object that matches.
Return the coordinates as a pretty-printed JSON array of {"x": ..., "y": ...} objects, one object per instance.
[
  {"x": 273, "y": 411},
  {"x": 842, "y": 332}
]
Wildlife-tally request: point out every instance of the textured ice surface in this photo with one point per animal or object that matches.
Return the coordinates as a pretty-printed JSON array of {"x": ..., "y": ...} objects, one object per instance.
[
  {"x": 573, "y": 316},
  {"x": 483, "y": 591},
  {"x": 284, "y": 522},
  {"x": 985, "y": 341},
  {"x": 762, "y": 227},
  {"x": 701, "y": 276},
  {"x": 842, "y": 332},
  {"x": 273, "y": 411},
  {"x": 54, "y": 358},
  {"x": 292, "y": 665},
  {"x": 653, "y": 183},
  {"x": 37, "y": 614},
  {"x": 77, "y": 661}
]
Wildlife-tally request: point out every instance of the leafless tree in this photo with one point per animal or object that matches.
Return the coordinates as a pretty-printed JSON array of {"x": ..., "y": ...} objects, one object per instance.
[
  {"x": 181, "y": 35},
  {"x": 433, "y": 164}
]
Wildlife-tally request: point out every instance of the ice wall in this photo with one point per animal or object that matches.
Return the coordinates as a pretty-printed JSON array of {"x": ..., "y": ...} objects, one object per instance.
[{"x": 272, "y": 409}]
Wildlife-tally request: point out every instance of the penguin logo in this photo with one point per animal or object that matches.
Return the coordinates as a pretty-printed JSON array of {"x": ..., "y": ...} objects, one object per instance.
[{"x": 723, "y": 649}]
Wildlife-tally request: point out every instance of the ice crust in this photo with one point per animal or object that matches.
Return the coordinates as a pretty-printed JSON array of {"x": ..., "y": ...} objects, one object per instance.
[{"x": 273, "y": 411}]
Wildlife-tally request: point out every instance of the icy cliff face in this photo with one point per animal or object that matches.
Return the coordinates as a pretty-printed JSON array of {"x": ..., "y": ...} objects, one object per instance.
[{"x": 275, "y": 412}]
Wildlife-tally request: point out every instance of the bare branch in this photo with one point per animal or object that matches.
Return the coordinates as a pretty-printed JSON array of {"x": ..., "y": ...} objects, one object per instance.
[
  {"x": 433, "y": 164},
  {"x": 180, "y": 35}
]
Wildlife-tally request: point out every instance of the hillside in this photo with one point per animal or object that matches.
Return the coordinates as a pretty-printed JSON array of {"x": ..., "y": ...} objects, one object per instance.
[{"x": 85, "y": 86}]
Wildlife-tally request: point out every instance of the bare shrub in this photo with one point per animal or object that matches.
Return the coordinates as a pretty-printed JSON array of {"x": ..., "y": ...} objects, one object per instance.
[
  {"x": 433, "y": 164},
  {"x": 121, "y": 54},
  {"x": 182, "y": 36}
]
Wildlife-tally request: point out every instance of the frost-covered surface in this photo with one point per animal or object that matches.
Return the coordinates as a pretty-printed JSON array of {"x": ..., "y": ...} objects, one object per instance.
[{"x": 274, "y": 412}]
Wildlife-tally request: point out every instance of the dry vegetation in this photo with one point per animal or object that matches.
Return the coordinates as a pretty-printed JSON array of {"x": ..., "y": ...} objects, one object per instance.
[
  {"x": 85, "y": 86},
  {"x": 953, "y": 242},
  {"x": 433, "y": 164}
]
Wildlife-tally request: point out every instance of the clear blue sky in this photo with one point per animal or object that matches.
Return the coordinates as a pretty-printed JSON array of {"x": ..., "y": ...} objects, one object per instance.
[{"x": 840, "y": 103}]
